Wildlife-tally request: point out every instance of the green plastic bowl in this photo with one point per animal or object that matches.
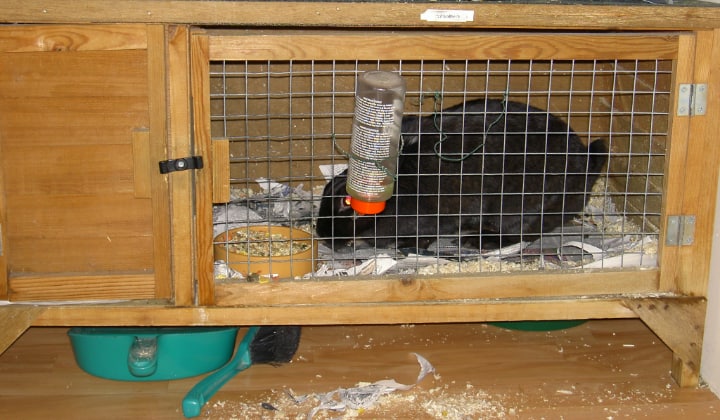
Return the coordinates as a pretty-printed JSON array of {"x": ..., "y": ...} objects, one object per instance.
[
  {"x": 539, "y": 325},
  {"x": 151, "y": 353}
]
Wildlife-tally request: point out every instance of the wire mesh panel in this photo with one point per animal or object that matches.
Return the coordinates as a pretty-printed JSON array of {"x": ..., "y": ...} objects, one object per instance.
[{"x": 506, "y": 165}]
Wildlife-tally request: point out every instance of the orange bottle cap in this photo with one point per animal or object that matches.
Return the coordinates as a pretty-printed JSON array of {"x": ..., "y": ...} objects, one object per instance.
[{"x": 367, "y": 207}]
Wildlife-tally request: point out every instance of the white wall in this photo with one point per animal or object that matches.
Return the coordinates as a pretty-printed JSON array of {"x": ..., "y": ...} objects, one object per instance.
[{"x": 710, "y": 369}]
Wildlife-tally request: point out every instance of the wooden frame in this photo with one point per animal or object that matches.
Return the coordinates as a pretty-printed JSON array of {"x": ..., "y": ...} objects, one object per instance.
[
  {"x": 413, "y": 45},
  {"x": 670, "y": 300},
  {"x": 467, "y": 299},
  {"x": 365, "y": 15}
]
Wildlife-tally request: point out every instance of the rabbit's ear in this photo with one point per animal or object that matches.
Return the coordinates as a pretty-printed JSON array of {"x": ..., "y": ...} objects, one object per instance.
[{"x": 336, "y": 187}]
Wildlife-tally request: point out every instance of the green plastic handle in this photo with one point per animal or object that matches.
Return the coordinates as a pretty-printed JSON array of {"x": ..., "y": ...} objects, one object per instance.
[{"x": 204, "y": 390}]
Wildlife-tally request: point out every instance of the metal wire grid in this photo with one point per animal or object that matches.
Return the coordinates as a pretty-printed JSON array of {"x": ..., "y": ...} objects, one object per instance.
[{"x": 286, "y": 119}]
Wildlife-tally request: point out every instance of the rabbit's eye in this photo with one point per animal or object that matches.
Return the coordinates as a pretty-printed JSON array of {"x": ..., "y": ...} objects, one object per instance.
[{"x": 346, "y": 201}]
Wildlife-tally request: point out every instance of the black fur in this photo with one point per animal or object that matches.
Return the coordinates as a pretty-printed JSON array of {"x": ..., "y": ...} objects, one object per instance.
[
  {"x": 531, "y": 175},
  {"x": 275, "y": 344}
]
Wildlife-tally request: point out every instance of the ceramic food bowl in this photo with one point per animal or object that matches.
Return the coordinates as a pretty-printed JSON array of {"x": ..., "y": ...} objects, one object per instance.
[{"x": 275, "y": 251}]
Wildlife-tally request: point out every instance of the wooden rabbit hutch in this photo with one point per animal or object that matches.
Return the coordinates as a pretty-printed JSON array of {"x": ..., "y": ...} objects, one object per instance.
[{"x": 230, "y": 96}]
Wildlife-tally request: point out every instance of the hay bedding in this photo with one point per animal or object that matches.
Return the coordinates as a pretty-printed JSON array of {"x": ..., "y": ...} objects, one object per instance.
[{"x": 599, "y": 238}]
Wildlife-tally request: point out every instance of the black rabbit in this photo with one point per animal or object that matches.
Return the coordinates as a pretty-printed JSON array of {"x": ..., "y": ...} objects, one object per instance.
[{"x": 496, "y": 174}]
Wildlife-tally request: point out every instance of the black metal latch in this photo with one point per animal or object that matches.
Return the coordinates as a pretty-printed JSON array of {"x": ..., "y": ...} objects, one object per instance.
[{"x": 182, "y": 164}]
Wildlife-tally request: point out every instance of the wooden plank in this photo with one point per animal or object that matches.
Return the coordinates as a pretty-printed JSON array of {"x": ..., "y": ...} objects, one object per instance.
[
  {"x": 680, "y": 323},
  {"x": 200, "y": 82},
  {"x": 309, "y": 314},
  {"x": 38, "y": 172},
  {"x": 41, "y": 122},
  {"x": 141, "y": 163},
  {"x": 350, "y": 14},
  {"x": 676, "y": 161},
  {"x": 157, "y": 108},
  {"x": 74, "y": 74},
  {"x": 79, "y": 233},
  {"x": 90, "y": 254},
  {"x": 703, "y": 159},
  {"x": 307, "y": 45},
  {"x": 15, "y": 319},
  {"x": 72, "y": 38},
  {"x": 79, "y": 215},
  {"x": 429, "y": 288},
  {"x": 3, "y": 231},
  {"x": 82, "y": 287},
  {"x": 181, "y": 183},
  {"x": 221, "y": 170}
]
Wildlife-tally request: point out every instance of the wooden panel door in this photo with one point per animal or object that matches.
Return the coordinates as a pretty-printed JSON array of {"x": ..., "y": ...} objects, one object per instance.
[{"x": 85, "y": 210}]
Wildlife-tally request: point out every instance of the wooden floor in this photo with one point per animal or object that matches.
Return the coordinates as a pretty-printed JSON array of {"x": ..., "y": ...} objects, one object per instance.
[{"x": 601, "y": 369}]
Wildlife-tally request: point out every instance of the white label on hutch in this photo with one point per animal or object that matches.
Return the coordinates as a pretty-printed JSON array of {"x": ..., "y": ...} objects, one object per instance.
[{"x": 439, "y": 15}]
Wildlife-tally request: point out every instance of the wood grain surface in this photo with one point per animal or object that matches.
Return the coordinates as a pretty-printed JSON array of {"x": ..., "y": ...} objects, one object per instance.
[{"x": 609, "y": 369}]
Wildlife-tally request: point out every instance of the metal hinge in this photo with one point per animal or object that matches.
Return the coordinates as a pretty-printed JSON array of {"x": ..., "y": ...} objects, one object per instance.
[
  {"x": 680, "y": 230},
  {"x": 182, "y": 164},
  {"x": 692, "y": 99}
]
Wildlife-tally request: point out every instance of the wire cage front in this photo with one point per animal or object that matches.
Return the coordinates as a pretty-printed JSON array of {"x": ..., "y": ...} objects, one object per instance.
[{"x": 285, "y": 111}]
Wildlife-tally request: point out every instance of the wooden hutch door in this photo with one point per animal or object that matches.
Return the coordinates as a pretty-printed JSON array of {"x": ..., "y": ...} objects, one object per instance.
[{"x": 85, "y": 210}]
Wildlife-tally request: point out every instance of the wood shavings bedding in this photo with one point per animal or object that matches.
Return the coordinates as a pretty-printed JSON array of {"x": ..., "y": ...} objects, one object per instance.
[{"x": 439, "y": 402}]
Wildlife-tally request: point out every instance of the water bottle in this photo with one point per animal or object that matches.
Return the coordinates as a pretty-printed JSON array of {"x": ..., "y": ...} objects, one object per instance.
[{"x": 375, "y": 141}]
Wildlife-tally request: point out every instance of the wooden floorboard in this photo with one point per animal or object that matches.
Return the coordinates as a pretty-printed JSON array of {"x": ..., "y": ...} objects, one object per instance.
[{"x": 601, "y": 369}]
